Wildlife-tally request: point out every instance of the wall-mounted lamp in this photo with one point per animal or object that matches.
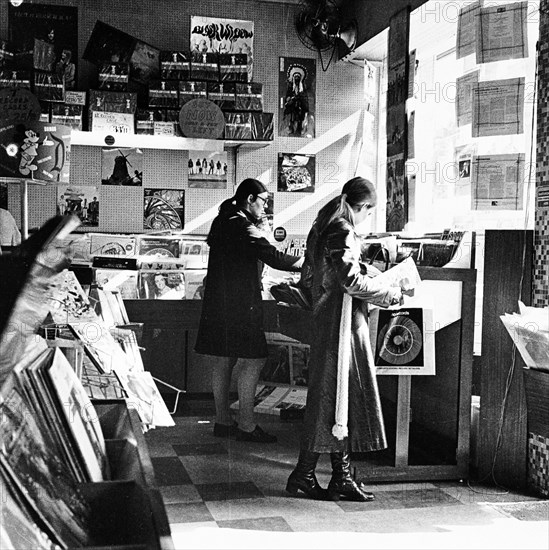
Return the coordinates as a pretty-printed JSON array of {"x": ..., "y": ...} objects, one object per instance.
[{"x": 16, "y": 2}]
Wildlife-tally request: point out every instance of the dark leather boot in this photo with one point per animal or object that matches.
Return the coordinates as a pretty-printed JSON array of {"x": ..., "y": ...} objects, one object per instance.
[
  {"x": 342, "y": 485},
  {"x": 303, "y": 477}
]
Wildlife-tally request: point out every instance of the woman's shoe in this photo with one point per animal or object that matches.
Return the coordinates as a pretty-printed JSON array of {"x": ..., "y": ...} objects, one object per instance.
[
  {"x": 342, "y": 484},
  {"x": 256, "y": 436},
  {"x": 303, "y": 477},
  {"x": 348, "y": 489}
]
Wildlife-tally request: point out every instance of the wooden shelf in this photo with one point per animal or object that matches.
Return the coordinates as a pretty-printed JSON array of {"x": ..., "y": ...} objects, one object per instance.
[{"x": 147, "y": 141}]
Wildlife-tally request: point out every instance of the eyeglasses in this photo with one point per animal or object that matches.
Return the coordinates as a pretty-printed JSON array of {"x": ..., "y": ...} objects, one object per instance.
[
  {"x": 265, "y": 201},
  {"x": 361, "y": 207}
]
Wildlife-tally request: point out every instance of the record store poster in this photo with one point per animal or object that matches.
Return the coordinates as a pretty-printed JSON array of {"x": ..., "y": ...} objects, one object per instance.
[{"x": 403, "y": 341}]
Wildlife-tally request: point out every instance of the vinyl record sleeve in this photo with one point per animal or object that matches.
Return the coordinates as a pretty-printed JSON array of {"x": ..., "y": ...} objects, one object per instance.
[{"x": 403, "y": 341}]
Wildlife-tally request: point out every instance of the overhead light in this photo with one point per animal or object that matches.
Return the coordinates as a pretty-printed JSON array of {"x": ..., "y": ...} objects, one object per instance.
[
  {"x": 16, "y": 2},
  {"x": 12, "y": 148}
]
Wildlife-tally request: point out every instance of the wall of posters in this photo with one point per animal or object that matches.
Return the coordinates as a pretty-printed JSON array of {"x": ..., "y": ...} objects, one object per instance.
[
  {"x": 213, "y": 34},
  {"x": 46, "y": 38},
  {"x": 164, "y": 209},
  {"x": 207, "y": 169},
  {"x": 296, "y": 173},
  {"x": 297, "y": 97},
  {"x": 121, "y": 166}
]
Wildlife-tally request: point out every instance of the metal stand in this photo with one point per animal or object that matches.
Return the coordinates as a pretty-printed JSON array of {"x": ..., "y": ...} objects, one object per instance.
[{"x": 178, "y": 390}]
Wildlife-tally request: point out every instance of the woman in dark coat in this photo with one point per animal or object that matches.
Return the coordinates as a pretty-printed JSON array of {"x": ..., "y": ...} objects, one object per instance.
[
  {"x": 231, "y": 326},
  {"x": 332, "y": 269}
]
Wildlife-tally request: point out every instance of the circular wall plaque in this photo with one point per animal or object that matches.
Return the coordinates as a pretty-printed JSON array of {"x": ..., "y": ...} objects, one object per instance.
[
  {"x": 201, "y": 118},
  {"x": 19, "y": 105}
]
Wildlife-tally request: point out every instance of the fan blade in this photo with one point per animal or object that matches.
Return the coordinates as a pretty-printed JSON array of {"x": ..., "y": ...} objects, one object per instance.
[{"x": 348, "y": 34}]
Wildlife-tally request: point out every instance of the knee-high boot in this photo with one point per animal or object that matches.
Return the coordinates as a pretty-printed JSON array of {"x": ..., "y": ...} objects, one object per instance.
[
  {"x": 342, "y": 484},
  {"x": 303, "y": 477}
]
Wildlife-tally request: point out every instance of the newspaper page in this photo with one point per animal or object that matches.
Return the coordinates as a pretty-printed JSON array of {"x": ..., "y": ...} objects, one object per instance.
[
  {"x": 467, "y": 30},
  {"x": 498, "y": 107},
  {"x": 497, "y": 182},
  {"x": 502, "y": 33},
  {"x": 463, "y": 157},
  {"x": 464, "y": 98}
]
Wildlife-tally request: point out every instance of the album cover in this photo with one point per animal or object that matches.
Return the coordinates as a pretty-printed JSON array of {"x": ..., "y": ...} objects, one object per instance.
[
  {"x": 162, "y": 285},
  {"x": 114, "y": 76},
  {"x": 82, "y": 201},
  {"x": 79, "y": 417},
  {"x": 233, "y": 67},
  {"x": 164, "y": 209},
  {"x": 15, "y": 79},
  {"x": 67, "y": 114},
  {"x": 46, "y": 36},
  {"x": 163, "y": 93},
  {"x": 175, "y": 65},
  {"x": 296, "y": 172},
  {"x": 48, "y": 87},
  {"x": 164, "y": 247},
  {"x": 262, "y": 126},
  {"x": 113, "y": 102},
  {"x": 104, "y": 244},
  {"x": 249, "y": 97},
  {"x": 35, "y": 150},
  {"x": 191, "y": 90},
  {"x": 145, "y": 119},
  {"x": 403, "y": 340},
  {"x": 30, "y": 453},
  {"x": 238, "y": 125},
  {"x": 207, "y": 169},
  {"x": 205, "y": 67},
  {"x": 222, "y": 36},
  {"x": 222, "y": 94},
  {"x": 122, "y": 166}
]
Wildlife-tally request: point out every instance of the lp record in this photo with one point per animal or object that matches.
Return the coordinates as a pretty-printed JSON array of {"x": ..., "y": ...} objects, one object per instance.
[{"x": 399, "y": 339}]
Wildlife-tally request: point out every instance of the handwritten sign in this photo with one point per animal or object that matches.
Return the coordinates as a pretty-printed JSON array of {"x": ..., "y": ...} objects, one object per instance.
[
  {"x": 115, "y": 123},
  {"x": 201, "y": 118}
]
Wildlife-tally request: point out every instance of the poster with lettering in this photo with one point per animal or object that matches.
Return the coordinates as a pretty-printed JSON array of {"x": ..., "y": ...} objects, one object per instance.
[
  {"x": 45, "y": 37},
  {"x": 219, "y": 35}
]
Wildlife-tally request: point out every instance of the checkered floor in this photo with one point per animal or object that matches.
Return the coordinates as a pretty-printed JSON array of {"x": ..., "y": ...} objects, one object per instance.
[{"x": 214, "y": 488}]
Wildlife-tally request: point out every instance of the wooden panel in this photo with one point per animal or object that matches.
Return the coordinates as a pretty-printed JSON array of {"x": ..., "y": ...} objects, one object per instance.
[
  {"x": 507, "y": 268},
  {"x": 536, "y": 383}
]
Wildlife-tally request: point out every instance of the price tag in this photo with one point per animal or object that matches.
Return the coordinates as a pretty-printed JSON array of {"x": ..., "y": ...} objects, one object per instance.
[{"x": 114, "y": 123}]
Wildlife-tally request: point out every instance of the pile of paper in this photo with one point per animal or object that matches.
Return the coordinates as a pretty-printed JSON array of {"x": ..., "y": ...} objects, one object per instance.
[{"x": 529, "y": 330}]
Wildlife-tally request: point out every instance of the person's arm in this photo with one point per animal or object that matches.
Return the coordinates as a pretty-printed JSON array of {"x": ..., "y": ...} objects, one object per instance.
[
  {"x": 268, "y": 253},
  {"x": 341, "y": 249}
]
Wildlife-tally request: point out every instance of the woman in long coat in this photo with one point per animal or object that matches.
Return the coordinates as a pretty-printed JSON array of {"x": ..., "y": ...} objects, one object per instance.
[
  {"x": 231, "y": 325},
  {"x": 332, "y": 269}
]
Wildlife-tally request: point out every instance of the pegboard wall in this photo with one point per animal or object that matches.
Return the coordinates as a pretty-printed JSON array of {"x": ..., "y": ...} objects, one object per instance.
[{"x": 166, "y": 25}]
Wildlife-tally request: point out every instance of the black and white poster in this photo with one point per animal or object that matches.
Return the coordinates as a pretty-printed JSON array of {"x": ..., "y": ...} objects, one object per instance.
[
  {"x": 121, "y": 166},
  {"x": 297, "y": 96},
  {"x": 296, "y": 173},
  {"x": 45, "y": 38},
  {"x": 164, "y": 209},
  {"x": 207, "y": 169},
  {"x": 403, "y": 341}
]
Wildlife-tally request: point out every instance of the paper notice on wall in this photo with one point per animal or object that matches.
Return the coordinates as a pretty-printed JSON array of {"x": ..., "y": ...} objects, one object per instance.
[
  {"x": 497, "y": 182},
  {"x": 463, "y": 158},
  {"x": 411, "y": 143},
  {"x": 467, "y": 30},
  {"x": 464, "y": 98},
  {"x": 502, "y": 32},
  {"x": 411, "y": 73},
  {"x": 498, "y": 107}
]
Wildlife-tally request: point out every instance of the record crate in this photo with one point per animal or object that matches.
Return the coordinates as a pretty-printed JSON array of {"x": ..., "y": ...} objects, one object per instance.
[{"x": 127, "y": 511}]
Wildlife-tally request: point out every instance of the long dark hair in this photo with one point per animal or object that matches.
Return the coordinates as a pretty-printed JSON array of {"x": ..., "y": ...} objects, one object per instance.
[
  {"x": 355, "y": 191},
  {"x": 248, "y": 187}
]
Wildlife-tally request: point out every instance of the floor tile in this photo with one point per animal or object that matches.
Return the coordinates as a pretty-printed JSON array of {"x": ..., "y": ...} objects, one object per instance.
[
  {"x": 525, "y": 511},
  {"x": 169, "y": 471},
  {"x": 188, "y": 512},
  {"x": 228, "y": 491},
  {"x": 197, "y": 449},
  {"x": 160, "y": 449},
  {"x": 263, "y": 524},
  {"x": 216, "y": 469},
  {"x": 173, "y": 494}
]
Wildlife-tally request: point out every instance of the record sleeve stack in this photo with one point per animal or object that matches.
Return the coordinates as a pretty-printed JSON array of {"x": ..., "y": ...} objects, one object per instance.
[{"x": 62, "y": 476}]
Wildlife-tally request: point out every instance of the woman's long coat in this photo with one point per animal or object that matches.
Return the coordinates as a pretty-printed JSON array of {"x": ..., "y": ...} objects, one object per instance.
[
  {"x": 332, "y": 268},
  {"x": 232, "y": 311}
]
